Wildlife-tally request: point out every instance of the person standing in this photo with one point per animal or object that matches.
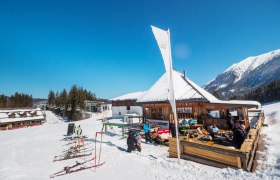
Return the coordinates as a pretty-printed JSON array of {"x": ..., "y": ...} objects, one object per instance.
[
  {"x": 147, "y": 130},
  {"x": 230, "y": 122},
  {"x": 172, "y": 129}
]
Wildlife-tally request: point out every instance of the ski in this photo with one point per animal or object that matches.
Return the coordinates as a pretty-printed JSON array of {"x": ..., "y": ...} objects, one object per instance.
[
  {"x": 69, "y": 171},
  {"x": 75, "y": 151},
  {"x": 69, "y": 156},
  {"x": 70, "y": 138},
  {"x": 62, "y": 172}
]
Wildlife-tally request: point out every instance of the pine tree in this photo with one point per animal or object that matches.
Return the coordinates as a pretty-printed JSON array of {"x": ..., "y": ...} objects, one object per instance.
[
  {"x": 73, "y": 102},
  {"x": 51, "y": 98}
]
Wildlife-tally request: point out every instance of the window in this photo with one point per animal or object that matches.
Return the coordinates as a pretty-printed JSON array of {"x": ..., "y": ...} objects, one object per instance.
[
  {"x": 184, "y": 112},
  {"x": 214, "y": 113},
  {"x": 156, "y": 113}
]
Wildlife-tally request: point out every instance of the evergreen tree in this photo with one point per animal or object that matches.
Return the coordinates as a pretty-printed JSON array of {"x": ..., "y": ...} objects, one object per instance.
[
  {"x": 63, "y": 97},
  {"x": 51, "y": 98},
  {"x": 73, "y": 102}
]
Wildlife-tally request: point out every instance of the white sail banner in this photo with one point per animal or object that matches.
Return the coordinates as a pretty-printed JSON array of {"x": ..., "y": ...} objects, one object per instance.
[
  {"x": 163, "y": 41},
  {"x": 162, "y": 38}
]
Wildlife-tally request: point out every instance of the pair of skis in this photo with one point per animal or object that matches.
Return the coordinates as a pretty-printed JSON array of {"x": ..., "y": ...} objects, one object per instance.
[
  {"x": 75, "y": 168},
  {"x": 70, "y": 156}
]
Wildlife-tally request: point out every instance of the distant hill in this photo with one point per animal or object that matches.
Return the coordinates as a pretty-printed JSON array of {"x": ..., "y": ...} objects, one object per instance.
[{"x": 246, "y": 76}]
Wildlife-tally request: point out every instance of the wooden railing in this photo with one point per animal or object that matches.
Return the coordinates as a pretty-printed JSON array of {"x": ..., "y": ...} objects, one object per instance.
[{"x": 218, "y": 155}]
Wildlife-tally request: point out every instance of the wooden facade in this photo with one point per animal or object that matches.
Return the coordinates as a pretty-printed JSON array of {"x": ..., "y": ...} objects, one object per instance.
[
  {"x": 198, "y": 111},
  {"x": 125, "y": 103}
]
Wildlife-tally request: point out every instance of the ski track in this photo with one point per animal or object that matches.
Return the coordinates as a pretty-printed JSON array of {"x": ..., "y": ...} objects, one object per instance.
[{"x": 28, "y": 154}]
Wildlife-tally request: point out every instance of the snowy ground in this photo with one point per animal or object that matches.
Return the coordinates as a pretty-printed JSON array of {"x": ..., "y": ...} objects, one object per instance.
[{"x": 28, "y": 154}]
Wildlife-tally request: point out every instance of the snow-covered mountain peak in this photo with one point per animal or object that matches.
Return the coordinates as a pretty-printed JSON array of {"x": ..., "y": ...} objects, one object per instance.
[
  {"x": 246, "y": 75},
  {"x": 251, "y": 63}
]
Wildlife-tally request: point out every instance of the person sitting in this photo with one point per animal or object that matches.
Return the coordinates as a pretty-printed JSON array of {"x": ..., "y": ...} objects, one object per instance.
[
  {"x": 201, "y": 130},
  {"x": 238, "y": 137},
  {"x": 242, "y": 127},
  {"x": 184, "y": 122},
  {"x": 192, "y": 122},
  {"x": 156, "y": 138},
  {"x": 131, "y": 142},
  {"x": 213, "y": 130},
  {"x": 236, "y": 125}
]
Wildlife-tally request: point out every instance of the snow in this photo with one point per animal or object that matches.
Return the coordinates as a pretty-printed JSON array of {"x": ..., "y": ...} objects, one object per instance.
[
  {"x": 251, "y": 63},
  {"x": 269, "y": 151},
  {"x": 27, "y": 154},
  {"x": 18, "y": 118},
  {"x": 222, "y": 86},
  {"x": 3, "y": 115},
  {"x": 129, "y": 96},
  {"x": 239, "y": 102},
  {"x": 184, "y": 89}
]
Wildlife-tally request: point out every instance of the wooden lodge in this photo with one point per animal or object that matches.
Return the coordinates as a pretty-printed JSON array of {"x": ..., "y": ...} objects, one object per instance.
[{"x": 195, "y": 103}]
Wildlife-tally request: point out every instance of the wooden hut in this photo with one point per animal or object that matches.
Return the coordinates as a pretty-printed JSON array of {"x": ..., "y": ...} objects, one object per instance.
[{"x": 193, "y": 102}]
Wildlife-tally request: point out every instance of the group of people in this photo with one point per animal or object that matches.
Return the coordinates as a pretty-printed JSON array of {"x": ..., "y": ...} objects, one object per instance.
[
  {"x": 181, "y": 125},
  {"x": 133, "y": 141},
  {"x": 134, "y": 138},
  {"x": 238, "y": 129}
]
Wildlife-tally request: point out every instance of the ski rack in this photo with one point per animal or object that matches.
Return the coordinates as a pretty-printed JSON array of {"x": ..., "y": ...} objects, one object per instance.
[
  {"x": 71, "y": 169},
  {"x": 101, "y": 141}
]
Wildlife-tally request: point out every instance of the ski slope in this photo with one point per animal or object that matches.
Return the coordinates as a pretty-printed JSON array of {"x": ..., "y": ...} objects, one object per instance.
[{"x": 28, "y": 154}]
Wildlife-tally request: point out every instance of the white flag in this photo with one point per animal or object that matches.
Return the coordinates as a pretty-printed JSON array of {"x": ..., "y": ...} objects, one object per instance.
[{"x": 163, "y": 40}]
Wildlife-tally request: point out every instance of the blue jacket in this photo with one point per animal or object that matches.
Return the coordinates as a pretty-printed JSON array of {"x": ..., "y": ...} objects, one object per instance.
[{"x": 147, "y": 128}]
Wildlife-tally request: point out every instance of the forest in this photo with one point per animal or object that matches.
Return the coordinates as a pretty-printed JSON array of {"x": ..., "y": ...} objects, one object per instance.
[
  {"x": 18, "y": 100},
  {"x": 70, "y": 104},
  {"x": 265, "y": 94}
]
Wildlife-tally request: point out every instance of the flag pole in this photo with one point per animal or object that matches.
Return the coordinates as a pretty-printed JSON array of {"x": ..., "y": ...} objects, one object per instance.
[{"x": 171, "y": 91}]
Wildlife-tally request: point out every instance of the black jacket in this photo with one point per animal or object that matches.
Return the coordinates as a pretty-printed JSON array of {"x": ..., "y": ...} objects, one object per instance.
[
  {"x": 131, "y": 143},
  {"x": 238, "y": 137},
  {"x": 172, "y": 129}
]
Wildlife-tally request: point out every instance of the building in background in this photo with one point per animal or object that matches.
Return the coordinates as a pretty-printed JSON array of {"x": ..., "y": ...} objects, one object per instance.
[
  {"x": 126, "y": 104},
  {"x": 97, "y": 106},
  {"x": 20, "y": 118}
]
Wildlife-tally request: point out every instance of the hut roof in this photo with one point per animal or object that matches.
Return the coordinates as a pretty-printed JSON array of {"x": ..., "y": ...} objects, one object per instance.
[
  {"x": 184, "y": 90},
  {"x": 129, "y": 96}
]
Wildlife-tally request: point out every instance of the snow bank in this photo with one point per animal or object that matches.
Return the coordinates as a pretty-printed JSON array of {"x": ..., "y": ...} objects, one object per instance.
[{"x": 28, "y": 154}]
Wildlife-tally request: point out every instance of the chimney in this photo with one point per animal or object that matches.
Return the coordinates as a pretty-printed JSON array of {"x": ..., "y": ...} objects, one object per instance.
[{"x": 184, "y": 72}]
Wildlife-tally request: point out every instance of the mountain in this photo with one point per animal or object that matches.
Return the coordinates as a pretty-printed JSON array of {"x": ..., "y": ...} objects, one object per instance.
[{"x": 248, "y": 74}]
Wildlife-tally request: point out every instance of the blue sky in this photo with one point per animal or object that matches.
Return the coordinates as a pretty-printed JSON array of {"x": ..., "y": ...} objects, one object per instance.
[{"x": 108, "y": 47}]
